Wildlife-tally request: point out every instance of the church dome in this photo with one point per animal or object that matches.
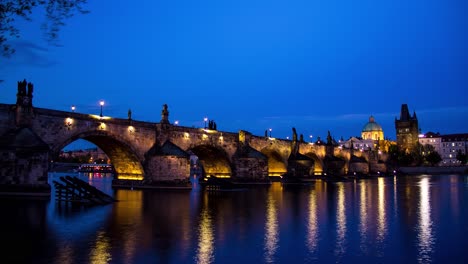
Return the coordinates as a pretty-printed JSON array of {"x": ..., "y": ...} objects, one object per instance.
[
  {"x": 372, "y": 126},
  {"x": 372, "y": 130}
]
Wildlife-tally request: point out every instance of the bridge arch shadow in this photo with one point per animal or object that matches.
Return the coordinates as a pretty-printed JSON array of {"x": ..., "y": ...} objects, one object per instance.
[
  {"x": 215, "y": 161},
  {"x": 318, "y": 163},
  {"x": 123, "y": 157},
  {"x": 276, "y": 162}
]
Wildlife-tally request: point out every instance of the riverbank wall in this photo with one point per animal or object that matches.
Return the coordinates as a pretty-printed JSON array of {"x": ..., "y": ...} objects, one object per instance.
[{"x": 434, "y": 170}]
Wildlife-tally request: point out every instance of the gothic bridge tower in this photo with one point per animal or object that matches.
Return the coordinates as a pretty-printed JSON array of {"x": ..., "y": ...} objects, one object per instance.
[{"x": 407, "y": 129}]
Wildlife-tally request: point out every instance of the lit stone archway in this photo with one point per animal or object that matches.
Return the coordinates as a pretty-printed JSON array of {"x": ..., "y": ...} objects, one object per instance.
[
  {"x": 126, "y": 163},
  {"x": 215, "y": 161},
  {"x": 318, "y": 164},
  {"x": 276, "y": 163}
]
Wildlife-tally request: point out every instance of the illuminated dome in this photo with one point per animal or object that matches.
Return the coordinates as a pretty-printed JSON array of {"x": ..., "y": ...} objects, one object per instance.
[{"x": 372, "y": 130}]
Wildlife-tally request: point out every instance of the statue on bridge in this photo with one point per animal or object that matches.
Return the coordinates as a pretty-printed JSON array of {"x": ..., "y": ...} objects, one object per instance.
[
  {"x": 23, "y": 97},
  {"x": 129, "y": 114},
  {"x": 22, "y": 87},
  {"x": 294, "y": 145},
  {"x": 165, "y": 115},
  {"x": 329, "y": 138},
  {"x": 30, "y": 89}
]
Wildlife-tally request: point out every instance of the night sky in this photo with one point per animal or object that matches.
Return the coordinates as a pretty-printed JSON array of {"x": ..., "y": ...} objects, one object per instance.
[{"x": 316, "y": 65}]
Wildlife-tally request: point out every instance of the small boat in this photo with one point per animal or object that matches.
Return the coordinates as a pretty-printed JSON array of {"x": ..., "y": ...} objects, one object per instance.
[
  {"x": 301, "y": 180},
  {"x": 213, "y": 183},
  {"x": 96, "y": 168}
]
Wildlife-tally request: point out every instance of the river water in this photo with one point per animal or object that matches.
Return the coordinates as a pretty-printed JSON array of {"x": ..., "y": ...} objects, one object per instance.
[{"x": 406, "y": 219}]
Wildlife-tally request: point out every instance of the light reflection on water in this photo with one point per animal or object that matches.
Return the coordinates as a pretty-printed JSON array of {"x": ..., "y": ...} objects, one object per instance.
[
  {"x": 271, "y": 229},
  {"x": 205, "y": 251},
  {"x": 425, "y": 236},
  {"x": 363, "y": 218},
  {"x": 326, "y": 222},
  {"x": 381, "y": 216},
  {"x": 312, "y": 230},
  {"x": 341, "y": 222}
]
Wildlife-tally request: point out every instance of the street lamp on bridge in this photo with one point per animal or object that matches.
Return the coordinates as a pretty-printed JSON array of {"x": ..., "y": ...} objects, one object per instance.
[
  {"x": 205, "y": 119},
  {"x": 73, "y": 108},
  {"x": 101, "y": 103},
  {"x": 270, "y": 131}
]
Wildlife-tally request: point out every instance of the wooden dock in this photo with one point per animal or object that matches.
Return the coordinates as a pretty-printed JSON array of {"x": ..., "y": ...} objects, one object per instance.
[{"x": 74, "y": 190}]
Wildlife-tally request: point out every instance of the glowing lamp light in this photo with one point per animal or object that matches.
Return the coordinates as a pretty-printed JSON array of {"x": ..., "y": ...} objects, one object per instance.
[
  {"x": 102, "y": 104},
  {"x": 176, "y": 122},
  {"x": 73, "y": 108}
]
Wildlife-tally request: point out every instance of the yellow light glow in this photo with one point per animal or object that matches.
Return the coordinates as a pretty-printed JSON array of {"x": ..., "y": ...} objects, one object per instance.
[
  {"x": 99, "y": 117},
  {"x": 205, "y": 136},
  {"x": 271, "y": 229},
  {"x": 341, "y": 221},
  {"x": 130, "y": 177},
  {"x": 68, "y": 121},
  {"x": 131, "y": 129},
  {"x": 363, "y": 217},
  {"x": 381, "y": 217},
  {"x": 186, "y": 135},
  {"x": 223, "y": 176},
  {"x": 102, "y": 126},
  {"x": 101, "y": 251},
  {"x": 425, "y": 236},
  {"x": 205, "y": 251},
  {"x": 312, "y": 226}
]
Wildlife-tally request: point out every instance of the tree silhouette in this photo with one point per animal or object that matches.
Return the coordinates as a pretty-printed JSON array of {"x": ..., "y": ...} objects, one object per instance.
[
  {"x": 56, "y": 12},
  {"x": 462, "y": 157}
]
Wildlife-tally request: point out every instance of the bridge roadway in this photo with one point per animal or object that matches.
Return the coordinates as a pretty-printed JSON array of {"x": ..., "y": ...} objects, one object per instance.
[{"x": 32, "y": 137}]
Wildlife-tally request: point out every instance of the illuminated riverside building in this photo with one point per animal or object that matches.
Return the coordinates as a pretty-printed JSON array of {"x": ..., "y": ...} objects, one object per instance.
[
  {"x": 447, "y": 146},
  {"x": 372, "y": 135}
]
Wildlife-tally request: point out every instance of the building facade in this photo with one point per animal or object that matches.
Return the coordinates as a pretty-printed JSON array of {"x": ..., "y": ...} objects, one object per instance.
[
  {"x": 450, "y": 146},
  {"x": 447, "y": 146},
  {"x": 433, "y": 139},
  {"x": 407, "y": 129}
]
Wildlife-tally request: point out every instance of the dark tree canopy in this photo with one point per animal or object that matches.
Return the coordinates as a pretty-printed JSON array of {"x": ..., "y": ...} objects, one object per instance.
[
  {"x": 56, "y": 12},
  {"x": 462, "y": 157}
]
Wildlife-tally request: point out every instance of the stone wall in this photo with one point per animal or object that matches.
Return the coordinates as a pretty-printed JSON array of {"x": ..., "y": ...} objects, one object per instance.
[
  {"x": 252, "y": 168},
  {"x": 168, "y": 168},
  {"x": 358, "y": 167}
]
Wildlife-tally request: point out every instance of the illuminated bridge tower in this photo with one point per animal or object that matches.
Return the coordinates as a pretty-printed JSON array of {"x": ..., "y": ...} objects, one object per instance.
[{"x": 406, "y": 129}]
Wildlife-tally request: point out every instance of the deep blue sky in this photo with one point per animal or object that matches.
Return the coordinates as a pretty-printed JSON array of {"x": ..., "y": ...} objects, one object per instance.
[{"x": 316, "y": 65}]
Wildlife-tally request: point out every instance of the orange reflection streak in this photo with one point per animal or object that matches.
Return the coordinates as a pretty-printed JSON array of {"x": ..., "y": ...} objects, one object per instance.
[
  {"x": 363, "y": 208},
  {"x": 381, "y": 214},
  {"x": 101, "y": 252},
  {"x": 425, "y": 236},
  {"x": 65, "y": 254},
  {"x": 271, "y": 229},
  {"x": 312, "y": 227},
  {"x": 341, "y": 221},
  {"x": 205, "y": 252},
  {"x": 128, "y": 212}
]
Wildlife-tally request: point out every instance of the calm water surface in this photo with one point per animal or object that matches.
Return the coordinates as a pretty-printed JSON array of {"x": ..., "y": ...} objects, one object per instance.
[{"x": 418, "y": 219}]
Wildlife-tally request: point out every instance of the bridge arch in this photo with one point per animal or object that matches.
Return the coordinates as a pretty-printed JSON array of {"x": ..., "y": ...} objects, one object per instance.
[
  {"x": 126, "y": 161},
  {"x": 318, "y": 163},
  {"x": 276, "y": 162},
  {"x": 215, "y": 161}
]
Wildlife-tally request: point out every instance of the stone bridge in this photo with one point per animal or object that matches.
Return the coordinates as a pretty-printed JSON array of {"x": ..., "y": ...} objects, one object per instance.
[{"x": 32, "y": 137}]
